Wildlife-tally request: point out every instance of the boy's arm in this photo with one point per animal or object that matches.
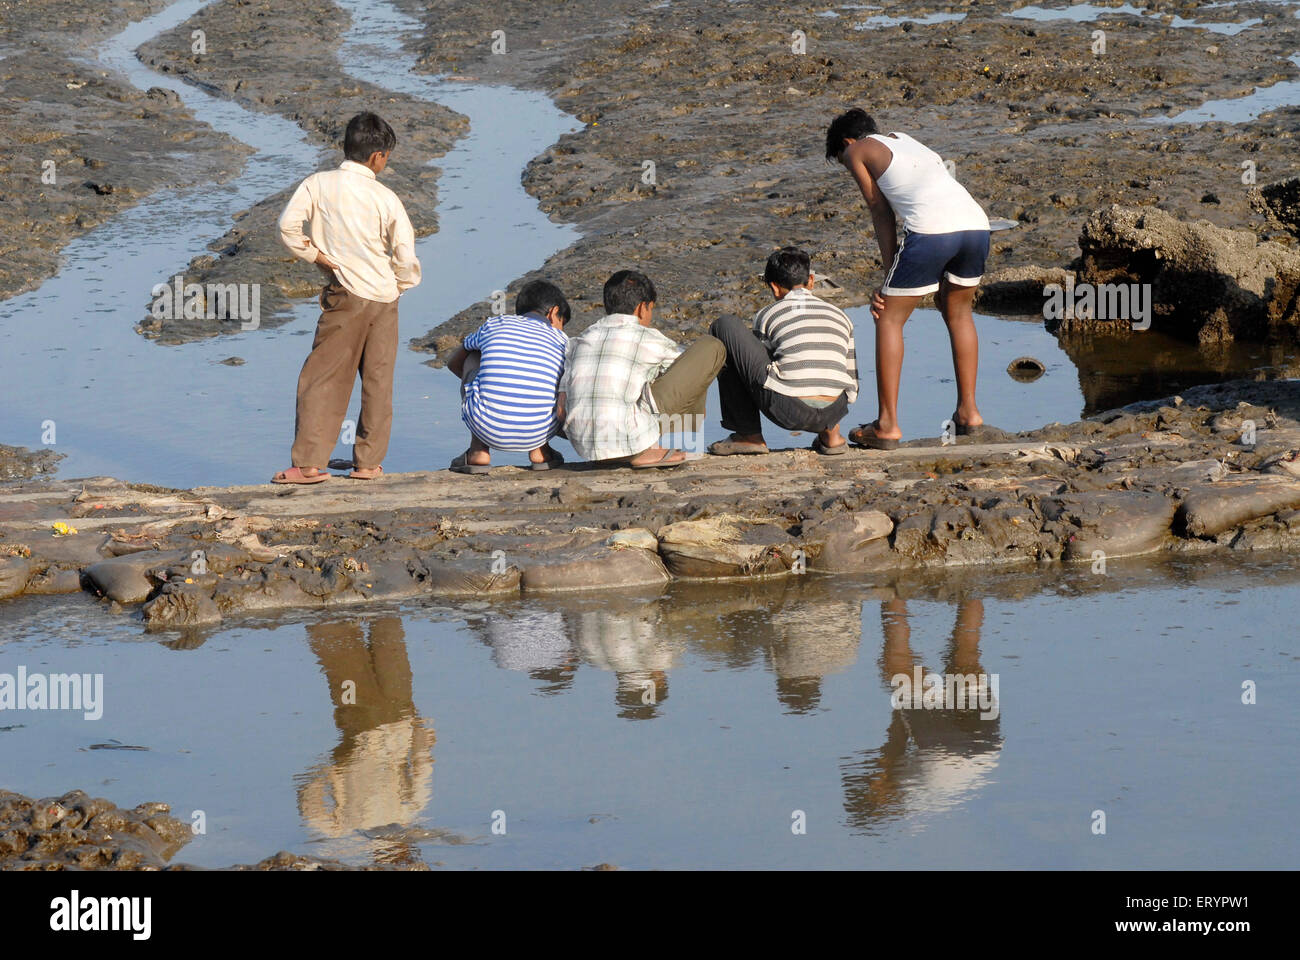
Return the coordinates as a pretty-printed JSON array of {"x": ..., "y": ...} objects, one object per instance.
[
  {"x": 666, "y": 350},
  {"x": 406, "y": 266},
  {"x": 297, "y": 212},
  {"x": 457, "y": 362}
]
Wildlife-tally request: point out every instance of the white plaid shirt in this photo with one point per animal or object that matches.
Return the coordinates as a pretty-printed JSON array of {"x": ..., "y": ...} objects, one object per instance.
[{"x": 609, "y": 411}]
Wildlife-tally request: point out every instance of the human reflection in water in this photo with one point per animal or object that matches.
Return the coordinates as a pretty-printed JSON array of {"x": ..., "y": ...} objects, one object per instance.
[
  {"x": 932, "y": 759},
  {"x": 624, "y": 635},
  {"x": 381, "y": 772},
  {"x": 535, "y": 642},
  {"x": 809, "y": 642}
]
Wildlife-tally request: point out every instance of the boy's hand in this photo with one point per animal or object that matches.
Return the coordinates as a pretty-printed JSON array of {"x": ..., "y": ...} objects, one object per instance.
[
  {"x": 877, "y": 304},
  {"x": 325, "y": 263}
]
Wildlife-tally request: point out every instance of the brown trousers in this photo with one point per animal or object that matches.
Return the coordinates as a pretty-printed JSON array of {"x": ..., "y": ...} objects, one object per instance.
[{"x": 353, "y": 335}]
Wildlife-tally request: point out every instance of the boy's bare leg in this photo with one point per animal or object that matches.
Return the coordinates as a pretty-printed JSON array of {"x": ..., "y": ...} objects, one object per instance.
[
  {"x": 543, "y": 454},
  {"x": 889, "y": 362},
  {"x": 478, "y": 453},
  {"x": 955, "y": 305},
  {"x": 831, "y": 437}
]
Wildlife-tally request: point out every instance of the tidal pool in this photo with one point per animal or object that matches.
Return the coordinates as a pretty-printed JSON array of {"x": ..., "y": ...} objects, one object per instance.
[{"x": 702, "y": 726}]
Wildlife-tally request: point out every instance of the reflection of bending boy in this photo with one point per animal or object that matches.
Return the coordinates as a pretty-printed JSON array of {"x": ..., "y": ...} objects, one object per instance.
[{"x": 932, "y": 758}]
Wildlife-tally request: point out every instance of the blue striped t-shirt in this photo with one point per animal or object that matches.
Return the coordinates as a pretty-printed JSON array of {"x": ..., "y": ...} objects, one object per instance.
[{"x": 510, "y": 403}]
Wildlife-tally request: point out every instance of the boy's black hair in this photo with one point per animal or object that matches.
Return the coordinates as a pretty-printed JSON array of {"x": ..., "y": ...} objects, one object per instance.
[
  {"x": 854, "y": 124},
  {"x": 626, "y": 290},
  {"x": 788, "y": 267},
  {"x": 538, "y": 296},
  {"x": 367, "y": 133}
]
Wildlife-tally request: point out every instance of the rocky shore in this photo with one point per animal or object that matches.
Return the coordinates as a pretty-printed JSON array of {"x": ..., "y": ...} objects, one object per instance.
[{"x": 1214, "y": 469}]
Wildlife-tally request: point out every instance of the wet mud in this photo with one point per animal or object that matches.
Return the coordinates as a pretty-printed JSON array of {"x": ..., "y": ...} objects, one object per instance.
[
  {"x": 1040, "y": 128},
  {"x": 83, "y": 144}
]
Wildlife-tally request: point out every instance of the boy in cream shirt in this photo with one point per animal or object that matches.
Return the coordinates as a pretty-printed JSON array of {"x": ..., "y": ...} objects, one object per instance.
[{"x": 360, "y": 236}]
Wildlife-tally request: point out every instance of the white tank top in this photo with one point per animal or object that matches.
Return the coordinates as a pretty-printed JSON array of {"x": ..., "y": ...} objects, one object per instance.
[{"x": 925, "y": 197}]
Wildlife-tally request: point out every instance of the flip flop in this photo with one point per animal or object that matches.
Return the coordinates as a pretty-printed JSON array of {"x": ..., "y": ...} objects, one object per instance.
[
  {"x": 462, "y": 465},
  {"x": 660, "y": 463},
  {"x": 357, "y": 475},
  {"x": 556, "y": 458},
  {"x": 731, "y": 447},
  {"x": 826, "y": 451},
  {"x": 865, "y": 436},
  {"x": 295, "y": 475}
]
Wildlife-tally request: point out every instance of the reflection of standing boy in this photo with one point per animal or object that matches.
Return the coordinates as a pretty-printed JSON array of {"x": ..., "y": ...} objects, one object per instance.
[{"x": 362, "y": 239}]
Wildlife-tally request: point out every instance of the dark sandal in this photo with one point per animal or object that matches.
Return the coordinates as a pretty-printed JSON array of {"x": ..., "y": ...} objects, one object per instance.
[
  {"x": 826, "y": 451},
  {"x": 462, "y": 465},
  {"x": 865, "y": 436}
]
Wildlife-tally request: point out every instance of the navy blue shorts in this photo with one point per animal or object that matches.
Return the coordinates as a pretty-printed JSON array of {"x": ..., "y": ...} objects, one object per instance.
[{"x": 923, "y": 258}]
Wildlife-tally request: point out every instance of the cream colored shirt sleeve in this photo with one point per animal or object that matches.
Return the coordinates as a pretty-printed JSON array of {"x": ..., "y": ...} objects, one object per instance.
[
  {"x": 299, "y": 210},
  {"x": 406, "y": 265}
]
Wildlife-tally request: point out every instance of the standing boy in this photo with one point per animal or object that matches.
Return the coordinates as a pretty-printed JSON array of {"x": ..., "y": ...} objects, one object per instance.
[
  {"x": 509, "y": 370},
  {"x": 362, "y": 239}
]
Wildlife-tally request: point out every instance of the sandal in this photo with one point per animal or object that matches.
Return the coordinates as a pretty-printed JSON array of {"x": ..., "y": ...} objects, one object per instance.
[
  {"x": 865, "y": 436},
  {"x": 555, "y": 459},
  {"x": 731, "y": 447},
  {"x": 826, "y": 451},
  {"x": 366, "y": 473},
  {"x": 462, "y": 465},
  {"x": 662, "y": 463},
  {"x": 295, "y": 475}
]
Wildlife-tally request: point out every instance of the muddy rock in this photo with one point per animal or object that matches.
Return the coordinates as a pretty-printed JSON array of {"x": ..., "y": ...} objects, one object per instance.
[
  {"x": 1211, "y": 509},
  {"x": 725, "y": 546},
  {"x": 1114, "y": 523},
  {"x": 181, "y": 605},
  {"x": 1208, "y": 284},
  {"x": 594, "y": 568},
  {"x": 14, "y": 574},
  {"x": 132, "y": 578},
  {"x": 75, "y": 831}
]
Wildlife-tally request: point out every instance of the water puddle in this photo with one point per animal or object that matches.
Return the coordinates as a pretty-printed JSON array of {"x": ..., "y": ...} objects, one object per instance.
[{"x": 685, "y": 729}]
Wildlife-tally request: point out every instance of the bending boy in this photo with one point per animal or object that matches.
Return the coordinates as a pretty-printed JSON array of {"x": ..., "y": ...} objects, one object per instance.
[{"x": 362, "y": 239}]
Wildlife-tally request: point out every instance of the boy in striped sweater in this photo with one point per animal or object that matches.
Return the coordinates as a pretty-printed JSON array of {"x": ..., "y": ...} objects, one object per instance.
[
  {"x": 797, "y": 365},
  {"x": 509, "y": 370}
]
